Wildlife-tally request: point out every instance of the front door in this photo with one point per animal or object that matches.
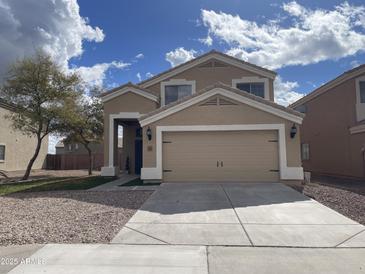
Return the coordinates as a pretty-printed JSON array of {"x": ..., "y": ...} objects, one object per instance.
[{"x": 138, "y": 151}]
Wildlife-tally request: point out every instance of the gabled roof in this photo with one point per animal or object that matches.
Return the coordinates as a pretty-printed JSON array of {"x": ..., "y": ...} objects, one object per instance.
[
  {"x": 229, "y": 92},
  {"x": 204, "y": 58},
  {"x": 185, "y": 66},
  {"x": 331, "y": 84},
  {"x": 129, "y": 87},
  {"x": 5, "y": 105}
]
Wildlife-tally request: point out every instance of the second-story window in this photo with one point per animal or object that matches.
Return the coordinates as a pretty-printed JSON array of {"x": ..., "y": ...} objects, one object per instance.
[
  {"x": 255, "y": 85},
  {"x": 257, "y": 89},
  {"x": 176, "y": 89},
  {"x": 362, "y": 92},
  {"x": 175, "y": 92}
]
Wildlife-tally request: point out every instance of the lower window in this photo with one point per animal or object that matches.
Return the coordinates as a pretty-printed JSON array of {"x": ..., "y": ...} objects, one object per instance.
[
  {"x": 2, "y": 152},
  {"x": 305, "y": 151}
]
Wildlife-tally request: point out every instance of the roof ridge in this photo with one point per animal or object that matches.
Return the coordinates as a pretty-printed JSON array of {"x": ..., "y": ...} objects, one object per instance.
[
  {"x": 213, "y": 51},
  {"x": 128, "y": 84}
]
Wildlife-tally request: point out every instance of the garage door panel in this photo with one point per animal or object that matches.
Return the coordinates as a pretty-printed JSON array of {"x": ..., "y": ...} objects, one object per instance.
[{"x": 246, "y": 156}]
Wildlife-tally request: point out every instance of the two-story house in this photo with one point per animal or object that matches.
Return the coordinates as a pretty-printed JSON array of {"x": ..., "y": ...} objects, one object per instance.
[
  {"x": 16, "y": 149},
  {"x": 210, "y": 119},
  {"x": 333, "y": 130}
]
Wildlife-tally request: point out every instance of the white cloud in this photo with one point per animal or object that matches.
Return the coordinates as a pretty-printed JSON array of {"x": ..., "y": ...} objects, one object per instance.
[
  {"x": 139, "y": 77},
  {"x": 207, "y": 41},
  {"x": 179, "y": 56},
  {"x": 149, "y": 75},
  {"x": 54, "y": 26},
  {"x": 95, "y": 75},
  {"x": 140, "y": 56},
  {"x": 284, "y": 92},
  {"x": 354, "y": 63},
  {"x": 312, "y": 35}
]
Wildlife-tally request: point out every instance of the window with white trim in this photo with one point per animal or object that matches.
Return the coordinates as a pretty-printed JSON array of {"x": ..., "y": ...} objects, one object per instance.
[
  {"x": 176, "y": 89},
  {"x": 176, "y": 92},
  {"x": 362, "y": 91},
  {"x": 360, "y": 98},
  {"x": 255, "y": 85},
  {"x": 2, "y": 152},
  {"x": 305, "y": 152},
  {"x": 257, "y": 89}
]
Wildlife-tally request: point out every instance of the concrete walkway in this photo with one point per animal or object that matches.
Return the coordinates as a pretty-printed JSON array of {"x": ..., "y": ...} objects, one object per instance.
[
  {"x": 11, "y": 256},
  {"x": 115, "y": 185},
  {"x": 168, "y": 259},
  {"x": 255, "y": 214}
]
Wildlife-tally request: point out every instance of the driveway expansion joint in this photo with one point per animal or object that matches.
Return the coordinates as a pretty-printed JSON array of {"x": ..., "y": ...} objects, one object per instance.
[
  {"x": 235, "y": 212},
  {"x": 348, "y": 239},
  {"x": 140, "y": 232}
]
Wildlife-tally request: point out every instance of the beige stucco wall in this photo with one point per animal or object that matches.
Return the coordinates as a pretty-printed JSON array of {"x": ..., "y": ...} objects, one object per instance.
[
  {"x": 18, "y": 147},
  {"x": 221, "y": 115},
  {"x": 333, "y": 150},
  {"x": 207, "y": 76},
  {"x": 128, "y": 102}
]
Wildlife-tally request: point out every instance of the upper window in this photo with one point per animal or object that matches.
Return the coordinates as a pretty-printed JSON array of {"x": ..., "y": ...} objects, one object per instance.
[
  {"x": 176, "y": 89},
  {"x": 175, "y": 92},
  {"x": 252, "y": 84},
  {"x": 257, "y": 89},
  {"x": 2, "y": 152},
  {"x": 360, "y": 98},
  {"x": 362, "y": 91}
]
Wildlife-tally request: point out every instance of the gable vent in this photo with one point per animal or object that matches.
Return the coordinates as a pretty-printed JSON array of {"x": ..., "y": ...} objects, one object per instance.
[
  {"x": 211, "y": 102},
  {"x": 224, "y": 102},
  {"x": 207, "y": 65},
  {"x": 218, "y": 64}
]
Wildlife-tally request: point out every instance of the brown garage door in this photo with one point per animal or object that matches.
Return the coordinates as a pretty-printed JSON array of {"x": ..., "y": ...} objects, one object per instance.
[{"x": 220, "y": 156}]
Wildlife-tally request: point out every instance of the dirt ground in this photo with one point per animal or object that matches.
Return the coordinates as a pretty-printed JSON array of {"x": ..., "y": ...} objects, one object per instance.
[
  {"x": 42, "y": 173},
  {"x": 66, "y": 216}
]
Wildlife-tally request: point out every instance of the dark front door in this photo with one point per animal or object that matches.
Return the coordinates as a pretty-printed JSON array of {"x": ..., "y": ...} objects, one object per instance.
[{"x": 138, "y": 156}]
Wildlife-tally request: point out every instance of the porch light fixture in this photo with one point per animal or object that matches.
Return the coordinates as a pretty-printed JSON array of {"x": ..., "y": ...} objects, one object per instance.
[
  {"x": 149, "y": 133},
  {"x": 293, "y": 131}
]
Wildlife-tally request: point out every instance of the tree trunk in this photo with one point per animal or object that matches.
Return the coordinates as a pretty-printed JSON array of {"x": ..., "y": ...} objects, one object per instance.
[
  {"x": 90, "y": 160},
  {"x": 32, "y": 160}
]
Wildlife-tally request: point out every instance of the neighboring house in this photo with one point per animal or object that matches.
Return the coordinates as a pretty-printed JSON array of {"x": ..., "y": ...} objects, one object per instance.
[
  {"x": 77, "y": 149},
  {"x": 16, "y": 149},
  {"x": 333, "y": 130},
  {"x": 210, "y": 119}
]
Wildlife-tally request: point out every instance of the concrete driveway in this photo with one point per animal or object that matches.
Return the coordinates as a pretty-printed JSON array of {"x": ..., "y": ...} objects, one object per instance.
[
  {"x": 234, "y": 214},
  {"x": 218, "y": 229}
]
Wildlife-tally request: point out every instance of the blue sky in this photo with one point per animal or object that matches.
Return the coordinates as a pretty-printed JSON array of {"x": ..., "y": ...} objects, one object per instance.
[{"x": 157, "y": 27}]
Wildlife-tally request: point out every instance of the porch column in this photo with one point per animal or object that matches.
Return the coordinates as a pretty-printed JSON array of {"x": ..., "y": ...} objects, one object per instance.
[{"x": 111, "y": 147}]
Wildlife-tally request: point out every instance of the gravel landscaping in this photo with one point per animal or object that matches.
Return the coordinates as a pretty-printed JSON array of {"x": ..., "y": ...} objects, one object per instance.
[
  {"x": 66, "y": 216},
  {"x": 348, "y": 203}
]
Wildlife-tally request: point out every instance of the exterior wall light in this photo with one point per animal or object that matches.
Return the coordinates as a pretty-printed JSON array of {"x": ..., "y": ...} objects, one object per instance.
[
  {"x": 293, "y": 131},
  {"x": 149, "y": 133}
]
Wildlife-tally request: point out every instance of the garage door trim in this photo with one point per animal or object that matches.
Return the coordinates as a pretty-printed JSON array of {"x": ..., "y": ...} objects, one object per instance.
[{"x": 285, "y": 171}]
